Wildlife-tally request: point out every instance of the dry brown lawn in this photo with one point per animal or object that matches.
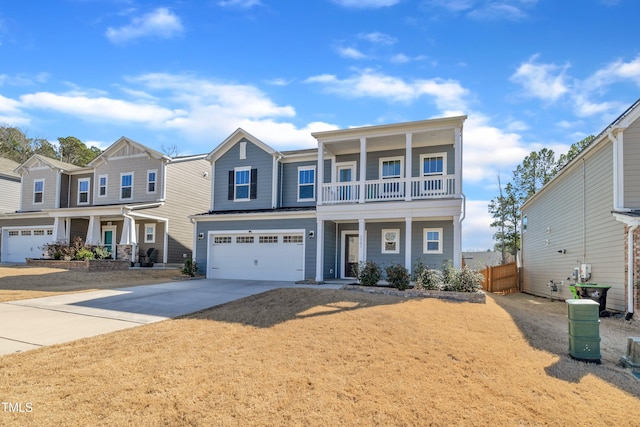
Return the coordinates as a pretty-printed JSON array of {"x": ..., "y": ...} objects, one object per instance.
[
  {"x": 326, "y": 357},
  {"x": 23, "y": 282}
]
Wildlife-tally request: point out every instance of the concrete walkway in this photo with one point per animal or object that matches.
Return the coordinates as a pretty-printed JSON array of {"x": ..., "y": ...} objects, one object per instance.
[{"x": 38, "y": 322}]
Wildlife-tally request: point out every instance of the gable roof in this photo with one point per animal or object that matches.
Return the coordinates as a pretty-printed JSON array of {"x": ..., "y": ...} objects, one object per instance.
[
  {"x": 123, "y": 142},
  {"x": 8, "y": 169},
  {"x": 39, "y": 160},
  {"x": 234, "y": 138}
]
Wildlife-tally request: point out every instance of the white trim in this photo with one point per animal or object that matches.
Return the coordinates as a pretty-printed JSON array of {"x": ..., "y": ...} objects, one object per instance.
[
  {"x": 114, "y": 238},
  {"x": 249, "y": 216},
  {"x": 146, "y": 239},
  {"x": 155, "y": 182},
  {"x": 88, "y": 181},
  {"x": 42, "y": 180},
  {"x": 235, "y": 184},
  {"x": 313, "y": 196},
  {"x": 106, "y": 185},
  {"x": 425, "y": 241},
  {"x": 432, "y": 155},
  {"x": 352, "y": 165},
  {"x": 122, "y": 174},
  {"x": 383, "y": 241},
  {"x": 343, "y": 244}
]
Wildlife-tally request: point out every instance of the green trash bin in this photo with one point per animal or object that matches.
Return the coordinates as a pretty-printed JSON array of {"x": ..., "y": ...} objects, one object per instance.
[
  {"x": 596, "y": 292},
  {"x": 584, "y": 330}
]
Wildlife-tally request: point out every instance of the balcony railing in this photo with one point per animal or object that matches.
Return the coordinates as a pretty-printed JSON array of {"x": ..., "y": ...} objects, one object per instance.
[{"x": 428, "y": 187}]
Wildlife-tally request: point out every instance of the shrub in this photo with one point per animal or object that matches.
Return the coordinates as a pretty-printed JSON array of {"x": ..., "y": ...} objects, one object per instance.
[
  {"x": 418, "y": 268},
  {"x": 468, "y": 280},
  {"x": 190, "y": 268},
  {"x": 448, "y": 273},
  {"x": 430, "y": 279},
  {"x": 101, "y": 252},
  {"x": 368, "y": 273},
  {"x": 84, "y": 253},
  {"x": 398, "y": 276}
]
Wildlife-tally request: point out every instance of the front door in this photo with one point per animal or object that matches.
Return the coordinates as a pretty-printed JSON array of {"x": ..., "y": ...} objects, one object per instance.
[
  {"x": 108, "y": 239},
  {"x": 346, "y": 175},
  {"x": 351, "y": 243}
]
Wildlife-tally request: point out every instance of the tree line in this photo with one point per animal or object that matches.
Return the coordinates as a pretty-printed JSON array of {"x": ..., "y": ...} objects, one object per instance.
[
  {"x": 17, "y": 146},
  {"x": 538, "y": 168}
]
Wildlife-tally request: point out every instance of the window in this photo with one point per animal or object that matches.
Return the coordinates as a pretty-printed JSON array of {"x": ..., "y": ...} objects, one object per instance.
[
  {"x": 433, "y": 165},
  {"x": 13, "y": 233},
  {"x": 268, "y": 239},
  {"x": 391, "y": 241},
  {"x": 49, "y": 232},
  {"x": 306, "y": 183},
  {"x": 243, "y": 183},
  {"x": 244, "y": 239},
  {"x": 391, "y": 167},
  {"x": 38, "y": 191},
  {"x": 38, "y": 232},
  {"x": 126, "y": 186},
  {"x": 83, "y": 191},
  {"x": 152, "y": 176},
  {"x": 222, "y": 239},
  {"x": 25, "y": 233},
  {"x": 432, "y": 240},
  {"x": 102, "y": 185},
  {"x": 292, "y": 239},
  {"x": 149, "y": 233}
]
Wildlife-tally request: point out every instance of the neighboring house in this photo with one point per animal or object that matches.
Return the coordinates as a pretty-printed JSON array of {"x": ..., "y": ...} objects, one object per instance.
[
  {"x": 481, "y": 259},
  {"x": 389, "y": 194},
  {"x": 589, "y": 214},
  {"x": 9, "y": 186},
  {"x": 130, "y": 199}
]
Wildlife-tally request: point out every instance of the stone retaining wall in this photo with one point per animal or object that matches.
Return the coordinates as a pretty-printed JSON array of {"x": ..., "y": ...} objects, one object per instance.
[
  {"x": 86, "y": 265},
  {"x": 472, "y": 297}
]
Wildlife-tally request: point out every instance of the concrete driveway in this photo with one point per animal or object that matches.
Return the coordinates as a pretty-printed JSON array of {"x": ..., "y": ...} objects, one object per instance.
[{"x": 38, "y": 322}]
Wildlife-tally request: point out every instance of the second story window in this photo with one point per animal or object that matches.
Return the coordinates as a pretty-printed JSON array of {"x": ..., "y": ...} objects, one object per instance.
[
  {"x": 391, "y": 167},
  {"x": 306, "y": 183},
  {"x": 38, "y": 191},
  {"x": 152, "y": 176},
  {"x": 126, "y": 186},
  {"x": 83, "y": 191},
  {"x": 433, "y": 165},
  {"x": 243, "y": 183},
  {"x": 102, "y": 185}
]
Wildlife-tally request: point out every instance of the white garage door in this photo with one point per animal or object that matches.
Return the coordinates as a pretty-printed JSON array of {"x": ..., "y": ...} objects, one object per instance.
[
  {"x": 256, "y": 256},
  {"x": 21, "y": 243}
]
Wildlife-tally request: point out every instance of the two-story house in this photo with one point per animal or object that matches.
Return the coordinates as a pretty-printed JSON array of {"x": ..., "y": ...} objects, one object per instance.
[
  {"x": 586, "y": 220},
  {"x": 9, "y": 186},
  {"x": 389, "y": 194},
  {"x": 130, "y": 199}
]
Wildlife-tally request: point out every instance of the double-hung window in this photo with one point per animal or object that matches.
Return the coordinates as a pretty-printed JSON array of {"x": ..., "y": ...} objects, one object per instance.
[
  {"x": 149, "y": 233},
  {"x": 433, "y": 167},
  {"x": 83, "y": 191},
  {"x": 152, "y": 177},
  {"x": 306, "y": 183},
  {"x": 391, "y": 169},
  {"x": 242, "y": 183},
  {"x": 432, "y": 240},
  {"x": 102, "y": 185},
  {"x": 38, "y": 191},
  {"x": 126, "y": 186}
]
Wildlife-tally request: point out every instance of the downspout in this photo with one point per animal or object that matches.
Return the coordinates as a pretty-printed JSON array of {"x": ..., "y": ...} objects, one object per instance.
[
  {"x": 584, "y": 213},
  {"x": 630, "y": 259}
]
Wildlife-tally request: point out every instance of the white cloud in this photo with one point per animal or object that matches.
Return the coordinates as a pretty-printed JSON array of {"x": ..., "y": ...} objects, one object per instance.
[
  {"x": 243, "y": 4},
  {"x": 11, "y": 113},
  {"x": 378, "y": 38},
  {"x": 512, "y": 10},
  {"x": 351, "y": 53},
  {"x": 161, "y": 23},
  {"x": 366, "y": 4},
  {"x": 447, "y": 94},
  {"x": 477, "y": 233},
  {"x": 543, "y": 81}
]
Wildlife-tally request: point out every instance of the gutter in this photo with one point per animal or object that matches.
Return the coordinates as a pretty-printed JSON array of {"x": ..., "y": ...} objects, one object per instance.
[{"x": 630, "y": 287}]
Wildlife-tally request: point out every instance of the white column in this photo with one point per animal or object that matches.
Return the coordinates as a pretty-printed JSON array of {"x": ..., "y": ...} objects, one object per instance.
[
  {"x": 320, "y": 251},
  {"x": 93, "y": 231},
  {"x": 274, "y": 183},
  {"x": 363, "y": 167},
  {"x": 126, "y": 231},
  {"x": 213, "y": 193},
  {"x": 59, "y": 229},
  {"x": 407, "y": 243},
  {"x": 58, "y": 188},
  {"x": 362, "y": 256},
  {"x": 457, "y": 242},
  {"x": 407, "y": 161},
  {"x": 320, "y": 174},
  {"x": 458, "y": 160}
]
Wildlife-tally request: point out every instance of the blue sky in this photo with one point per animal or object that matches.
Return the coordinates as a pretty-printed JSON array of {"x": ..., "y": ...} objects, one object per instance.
[{"x": 528, "y": 73}]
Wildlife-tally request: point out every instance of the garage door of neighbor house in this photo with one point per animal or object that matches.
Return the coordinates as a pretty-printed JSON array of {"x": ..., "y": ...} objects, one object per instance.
[
  {"x": 21, "y": 243},
  {"x": 256, "y": 256}
]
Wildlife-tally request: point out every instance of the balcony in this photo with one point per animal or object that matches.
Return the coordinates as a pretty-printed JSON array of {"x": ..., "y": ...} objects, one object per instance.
[{"x": 421, "y": 188}]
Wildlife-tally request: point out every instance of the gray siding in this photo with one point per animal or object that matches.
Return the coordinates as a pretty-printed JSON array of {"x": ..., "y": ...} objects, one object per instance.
[
  {"x": 188, "y": 193},
  {"x": 73, "y": 196},
  {"x": 49, "y": 196},
  {"x": 256, "y": 159},
  {"x": 631, "y": 138},
  {"x": 289, "y": 184},
  {"x": 65, "y": 182},
  {"x": 115, "y": 167},
  {"x": 330, "y": 269},
  {"x": 573, "y": 213},
  {"x": 309, "y": 224}
]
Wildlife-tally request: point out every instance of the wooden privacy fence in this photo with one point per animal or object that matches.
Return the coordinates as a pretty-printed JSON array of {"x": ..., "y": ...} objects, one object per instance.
[{"x": 501, "y": 278}]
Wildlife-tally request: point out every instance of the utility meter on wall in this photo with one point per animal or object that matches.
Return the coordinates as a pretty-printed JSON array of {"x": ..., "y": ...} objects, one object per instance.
[{"x": 585, "y": 272}]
